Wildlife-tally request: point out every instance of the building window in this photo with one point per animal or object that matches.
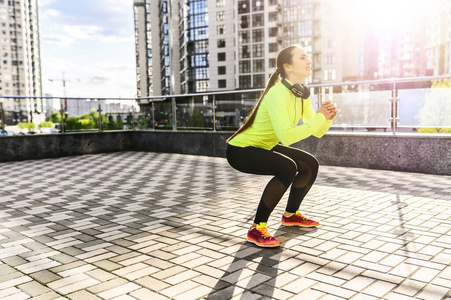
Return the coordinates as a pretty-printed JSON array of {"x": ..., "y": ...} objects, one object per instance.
[
  {"x": 273, "y": 2},
  {"x": 257, "y": 50},
  {"x": 272, "y": 62},
  {"x": 243, "y": 6},
  {"x": 257, "y": 35},
  {"x": 221, "y": 56},
  {"x": 273, "y": 47},
  {"x": 329, "y": 75},
  {"x": 273, "y": 16},
  {"x": 221, "y": 70},
  {"x": 259, "y": 81},
  {"x": 245, "y": 81},
  {"x": 329, "y": 42},
  {"x": 222, "y": 83},
  {"x": 258, "y": 20},
  {"x": 220, "y": 29},
  {"x": 220, "y": 16},
  {"x": 244, "y": 22},
  {"x": 220, "y": 3},
  {"x": 245, "y": 66},
  {"x": 273, "y": 31},
  {"x": 259, "y": 66},
  {"x": 306, "y": 28},
  {"x": 257, "y": 5},
  {"x": 329, "y": 59},
  {"x": 221, "y": 43},
  {"x": 317, "y": 58},
  {"x": 244, "y": 37},
  {"x": 244, "y": 52}
]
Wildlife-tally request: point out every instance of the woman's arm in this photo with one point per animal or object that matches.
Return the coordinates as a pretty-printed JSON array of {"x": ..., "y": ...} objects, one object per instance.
[{"x": 278, "y": 108}]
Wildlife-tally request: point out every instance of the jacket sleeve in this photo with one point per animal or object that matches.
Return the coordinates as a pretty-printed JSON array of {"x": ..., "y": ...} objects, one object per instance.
[
  {"x": 278, "y": 105},
  {"x": 309, "y": 113}
]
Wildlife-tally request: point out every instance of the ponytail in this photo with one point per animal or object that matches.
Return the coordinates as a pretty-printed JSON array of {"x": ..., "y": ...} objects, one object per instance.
[
  {"x": 283, "y": 57},
  {"x": 251, "y": 117}
]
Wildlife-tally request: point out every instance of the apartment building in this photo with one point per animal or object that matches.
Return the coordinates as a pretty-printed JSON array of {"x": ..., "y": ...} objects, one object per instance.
[
  {"x": 196, "y": 46},
  {"x": 20, "y": 67},
  {"x": 438, "y": 38}
]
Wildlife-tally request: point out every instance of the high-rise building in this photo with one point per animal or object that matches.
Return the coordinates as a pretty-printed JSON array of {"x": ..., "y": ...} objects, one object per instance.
[
  {"x": 438, "y": 38},
  {"x": 200, "y": 45},
  {"x": 20, "y": 63}
]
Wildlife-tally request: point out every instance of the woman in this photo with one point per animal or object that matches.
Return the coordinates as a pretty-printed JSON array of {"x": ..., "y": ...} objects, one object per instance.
[{"x": 255, "y": 148}]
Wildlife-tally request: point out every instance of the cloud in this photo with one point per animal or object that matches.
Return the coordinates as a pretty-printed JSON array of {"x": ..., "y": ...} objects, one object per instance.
[
  {"x": 91, "y": 44},
  {"x": 98, "y": 79},
  {"x": 112, "y": 17},
  {"x": 43, "y": 3},
  {"x": 59, "y": 40},
  {"x": 82, "y": 31}
]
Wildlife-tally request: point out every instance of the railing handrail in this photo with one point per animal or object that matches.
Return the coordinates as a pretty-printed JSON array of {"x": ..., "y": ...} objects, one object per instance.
[{"x": 164, "y": 97}]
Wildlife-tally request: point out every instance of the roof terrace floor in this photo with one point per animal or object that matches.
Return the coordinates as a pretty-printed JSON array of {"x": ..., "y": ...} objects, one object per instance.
[{"x": 140, "y": 225}]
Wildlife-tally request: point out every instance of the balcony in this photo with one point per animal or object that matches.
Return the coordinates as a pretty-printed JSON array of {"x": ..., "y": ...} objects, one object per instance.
[{"x": 386, "y": 123}]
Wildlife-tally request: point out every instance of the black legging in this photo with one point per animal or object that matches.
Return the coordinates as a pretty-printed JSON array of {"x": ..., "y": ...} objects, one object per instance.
[{"x": 289, "y": 166}]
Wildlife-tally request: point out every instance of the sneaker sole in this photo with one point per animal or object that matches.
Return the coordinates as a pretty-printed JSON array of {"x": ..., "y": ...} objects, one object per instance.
[
  {"x": 299, "y": 225},
  {"x": 264, "y": 246}
]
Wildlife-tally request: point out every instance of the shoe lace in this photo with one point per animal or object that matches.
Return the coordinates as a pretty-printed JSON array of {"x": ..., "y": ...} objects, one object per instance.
[
  {"x": 300, "y": 215},
  {"x": 264, "y": 232}
]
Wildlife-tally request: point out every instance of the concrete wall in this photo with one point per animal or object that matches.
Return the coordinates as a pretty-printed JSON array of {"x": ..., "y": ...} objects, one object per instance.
[
  {"x": 13, "y": 148},
  {"x": 410, "y": 153}
]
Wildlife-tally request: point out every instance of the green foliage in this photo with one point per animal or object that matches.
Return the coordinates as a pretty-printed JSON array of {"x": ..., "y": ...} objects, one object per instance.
[
  {"x": 113, "y": 125},
  {"x": 78, "y": 123},
  {"x": 56, "y": 118},
  {"x": 46, "y": 124},
  {"x": 144, "y": 123},
  {"x": 26, "y": 125},
  {"x": 88, "y": 121},
  {"x": 437, "y": 109}
]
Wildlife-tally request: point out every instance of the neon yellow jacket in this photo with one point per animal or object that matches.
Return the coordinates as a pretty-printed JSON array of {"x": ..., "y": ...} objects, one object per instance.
[{"x": 277, "y": 118}]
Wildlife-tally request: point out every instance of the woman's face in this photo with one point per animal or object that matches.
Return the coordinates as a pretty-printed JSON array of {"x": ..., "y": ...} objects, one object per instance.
[{"x": 300, "y": 64}]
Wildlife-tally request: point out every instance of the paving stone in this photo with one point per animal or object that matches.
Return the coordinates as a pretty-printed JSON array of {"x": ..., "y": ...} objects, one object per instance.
[
  {"x": 34, "y": 288},
  {"x": 126, "y": 235}
]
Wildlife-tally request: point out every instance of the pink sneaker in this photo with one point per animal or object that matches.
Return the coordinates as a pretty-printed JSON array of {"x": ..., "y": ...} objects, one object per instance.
[
  {"x": 261, "y": 237},
  {"x": 298, "y": 220}
]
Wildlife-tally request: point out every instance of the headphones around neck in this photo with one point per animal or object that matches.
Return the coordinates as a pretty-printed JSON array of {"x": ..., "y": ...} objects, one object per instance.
[{"x": 298, "y": 90}]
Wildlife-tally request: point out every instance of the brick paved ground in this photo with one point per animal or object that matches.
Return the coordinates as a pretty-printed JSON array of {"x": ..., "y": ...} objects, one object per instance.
[{"x": 136, "y": 225}]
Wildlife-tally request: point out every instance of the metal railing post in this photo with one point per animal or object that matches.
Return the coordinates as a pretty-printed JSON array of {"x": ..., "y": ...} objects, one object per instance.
[
  {"x": 153, "y": 115},
  {"x": 174, "y": 115},
  {"x": 63, "y": 118},
  {"x": 394, "y": 108},
  {"x": 133, "y": 118},
  {"x": 100, "y": 118},
  {"x": 2, "y": 118},
  {"x": 214, "y": 114}
]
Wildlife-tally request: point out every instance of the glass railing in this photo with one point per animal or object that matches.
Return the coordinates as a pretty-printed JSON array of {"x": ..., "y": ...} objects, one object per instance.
[{"x": 413, "y": 105}]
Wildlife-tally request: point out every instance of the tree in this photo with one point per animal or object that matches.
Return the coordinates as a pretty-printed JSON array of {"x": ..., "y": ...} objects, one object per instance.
[
  {"x": 56, "y": 117},
  {"x": 436, "y": 111}
]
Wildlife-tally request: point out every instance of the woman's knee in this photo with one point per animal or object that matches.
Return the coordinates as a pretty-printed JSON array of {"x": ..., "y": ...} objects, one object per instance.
[{"x": 287, "y": 173}]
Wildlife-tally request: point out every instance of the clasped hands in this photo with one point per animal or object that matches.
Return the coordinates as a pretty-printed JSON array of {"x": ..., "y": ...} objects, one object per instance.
[{"x": 328, "y": 109}]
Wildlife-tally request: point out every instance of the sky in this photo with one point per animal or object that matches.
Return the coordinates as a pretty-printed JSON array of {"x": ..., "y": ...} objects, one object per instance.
[{"x": 89, "y": 43}]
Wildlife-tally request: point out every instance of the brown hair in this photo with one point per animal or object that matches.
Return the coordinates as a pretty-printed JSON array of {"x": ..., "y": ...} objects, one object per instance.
[{"x": 285, "y": 56}]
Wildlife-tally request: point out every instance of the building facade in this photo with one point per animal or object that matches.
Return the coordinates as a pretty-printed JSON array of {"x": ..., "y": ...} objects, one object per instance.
[
  {"x": 438, "y": 38},
  {"x": 199, "y": 45},
  {"x": 20, "y": 66}
]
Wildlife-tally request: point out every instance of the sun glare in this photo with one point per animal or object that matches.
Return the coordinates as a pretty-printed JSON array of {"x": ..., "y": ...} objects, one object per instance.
[{"x": 385, "y": 15}]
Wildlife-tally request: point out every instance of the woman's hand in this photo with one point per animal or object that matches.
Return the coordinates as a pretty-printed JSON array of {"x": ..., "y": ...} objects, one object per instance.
[
  {"x": 327, "y": 113},
  {"x": 331, "y": 110}
]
